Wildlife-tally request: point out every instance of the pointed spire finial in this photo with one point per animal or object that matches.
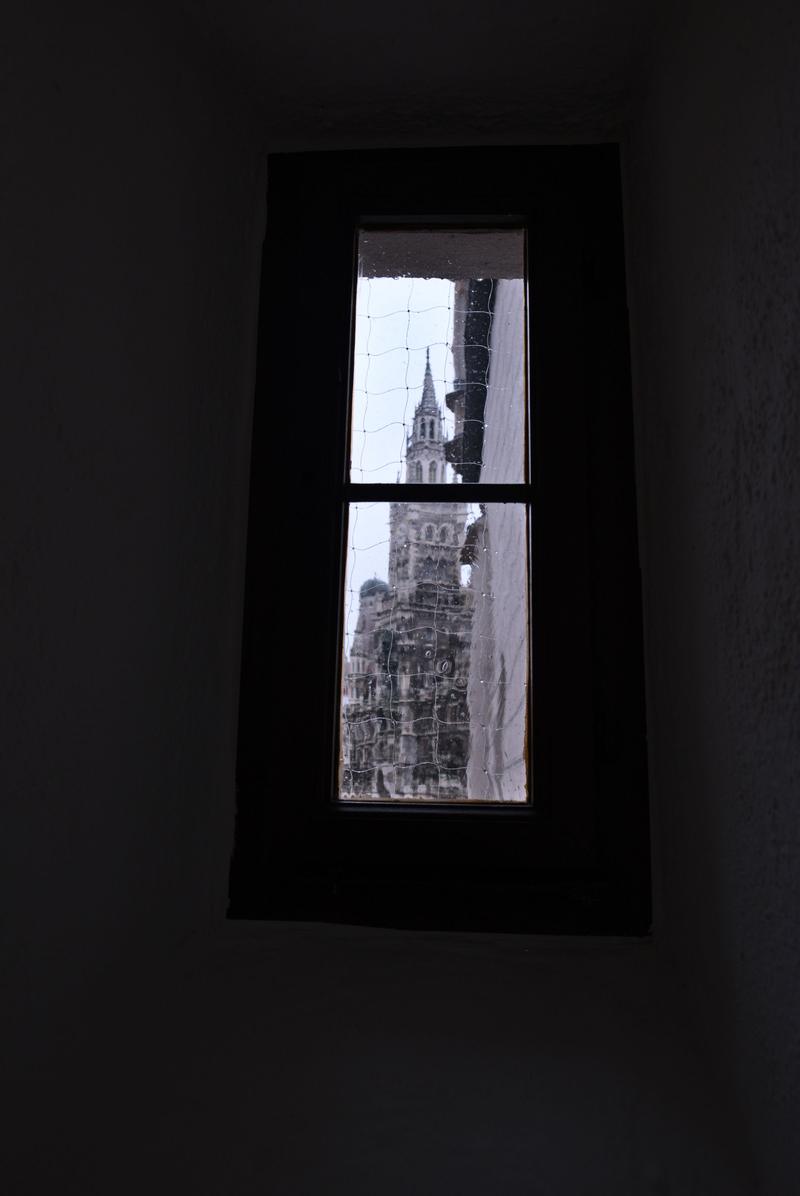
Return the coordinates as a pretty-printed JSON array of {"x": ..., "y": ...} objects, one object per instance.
[{"x": 428, "y": 402}]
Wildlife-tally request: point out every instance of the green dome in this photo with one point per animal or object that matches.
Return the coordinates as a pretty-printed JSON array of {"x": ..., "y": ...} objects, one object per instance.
[{"x": 373, "y": 586}]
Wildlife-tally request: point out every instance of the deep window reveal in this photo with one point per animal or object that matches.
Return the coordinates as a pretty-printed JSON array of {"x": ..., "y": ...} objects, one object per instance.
[{"x": 577, "y": 858}]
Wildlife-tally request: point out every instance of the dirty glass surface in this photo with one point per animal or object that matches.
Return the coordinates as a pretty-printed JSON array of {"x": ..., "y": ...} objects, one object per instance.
[
  {"x": 439, "y": 371},
  {"x": 435, "y": 636},
  {"x": 435, "y": 654}
]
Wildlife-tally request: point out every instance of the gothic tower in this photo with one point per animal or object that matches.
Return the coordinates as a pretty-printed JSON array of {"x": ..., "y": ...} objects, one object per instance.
[
  {"x": 425, "y": 538},
  {"x": 425, "y": 460},
  {"x": 405, "y": 719}
]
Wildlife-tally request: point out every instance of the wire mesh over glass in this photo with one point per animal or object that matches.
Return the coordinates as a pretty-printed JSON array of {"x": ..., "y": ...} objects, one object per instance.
[
  {"x": 435, "y": 669},
  {"x": 439, "y": 357}
]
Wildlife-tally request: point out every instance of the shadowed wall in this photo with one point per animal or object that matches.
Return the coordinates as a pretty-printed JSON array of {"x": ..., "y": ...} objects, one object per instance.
[{"x": 149, "y": 1046}]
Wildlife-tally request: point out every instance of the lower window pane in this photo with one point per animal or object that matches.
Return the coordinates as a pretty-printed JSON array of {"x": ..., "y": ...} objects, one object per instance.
[{"x": 435, "y": 653}]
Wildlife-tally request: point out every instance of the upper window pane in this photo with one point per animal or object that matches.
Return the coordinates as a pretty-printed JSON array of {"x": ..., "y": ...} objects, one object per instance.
[{"x": 439, "y": 373}]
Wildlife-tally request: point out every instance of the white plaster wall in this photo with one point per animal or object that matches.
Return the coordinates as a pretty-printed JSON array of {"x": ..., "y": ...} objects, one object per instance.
[
  {"x": 499, "y": 657},
  {"x": 133, "y": 210},
  {"x": 504, "y": 437},
  {"x": 713, "y": 182}
]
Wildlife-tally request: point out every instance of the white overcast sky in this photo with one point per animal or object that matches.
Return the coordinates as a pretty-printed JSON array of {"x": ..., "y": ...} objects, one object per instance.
[{"x": 397, "y": 319}]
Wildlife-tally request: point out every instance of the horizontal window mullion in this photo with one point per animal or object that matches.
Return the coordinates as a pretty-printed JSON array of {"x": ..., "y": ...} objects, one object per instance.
[{"x": 410, "y": 492}]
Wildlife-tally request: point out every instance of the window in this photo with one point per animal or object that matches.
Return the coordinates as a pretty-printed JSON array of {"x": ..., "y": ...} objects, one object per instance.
[
  {"x": 575, "y": 857},
  {"x": 438, "y": 371}
]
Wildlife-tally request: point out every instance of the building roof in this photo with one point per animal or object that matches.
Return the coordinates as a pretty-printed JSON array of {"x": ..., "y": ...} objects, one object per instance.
[{"x": 374, "y": 585}]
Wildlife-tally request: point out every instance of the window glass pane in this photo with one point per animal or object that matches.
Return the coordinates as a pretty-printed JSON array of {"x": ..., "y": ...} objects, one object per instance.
[
  {"x": 439, "y": 368},
  {"x": 435, "y": 668}
]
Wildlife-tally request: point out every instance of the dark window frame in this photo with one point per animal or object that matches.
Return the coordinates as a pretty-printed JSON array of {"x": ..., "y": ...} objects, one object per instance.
[{"x": 577, "y": 859}]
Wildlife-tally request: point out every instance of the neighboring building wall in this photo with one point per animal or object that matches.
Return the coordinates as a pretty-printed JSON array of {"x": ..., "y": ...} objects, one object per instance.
[
  {"x": 497, "y": 691},
  {"x": 503, "y": 437}
]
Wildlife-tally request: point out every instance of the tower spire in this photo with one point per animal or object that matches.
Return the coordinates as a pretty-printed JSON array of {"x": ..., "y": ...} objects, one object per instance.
[
  {"x": 428, "y": 404},
  {"x": 425, "y": 456}
]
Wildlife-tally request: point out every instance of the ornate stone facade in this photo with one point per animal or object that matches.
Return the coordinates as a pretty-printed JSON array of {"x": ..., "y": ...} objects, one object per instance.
[{"x": 405, "y": 724}]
